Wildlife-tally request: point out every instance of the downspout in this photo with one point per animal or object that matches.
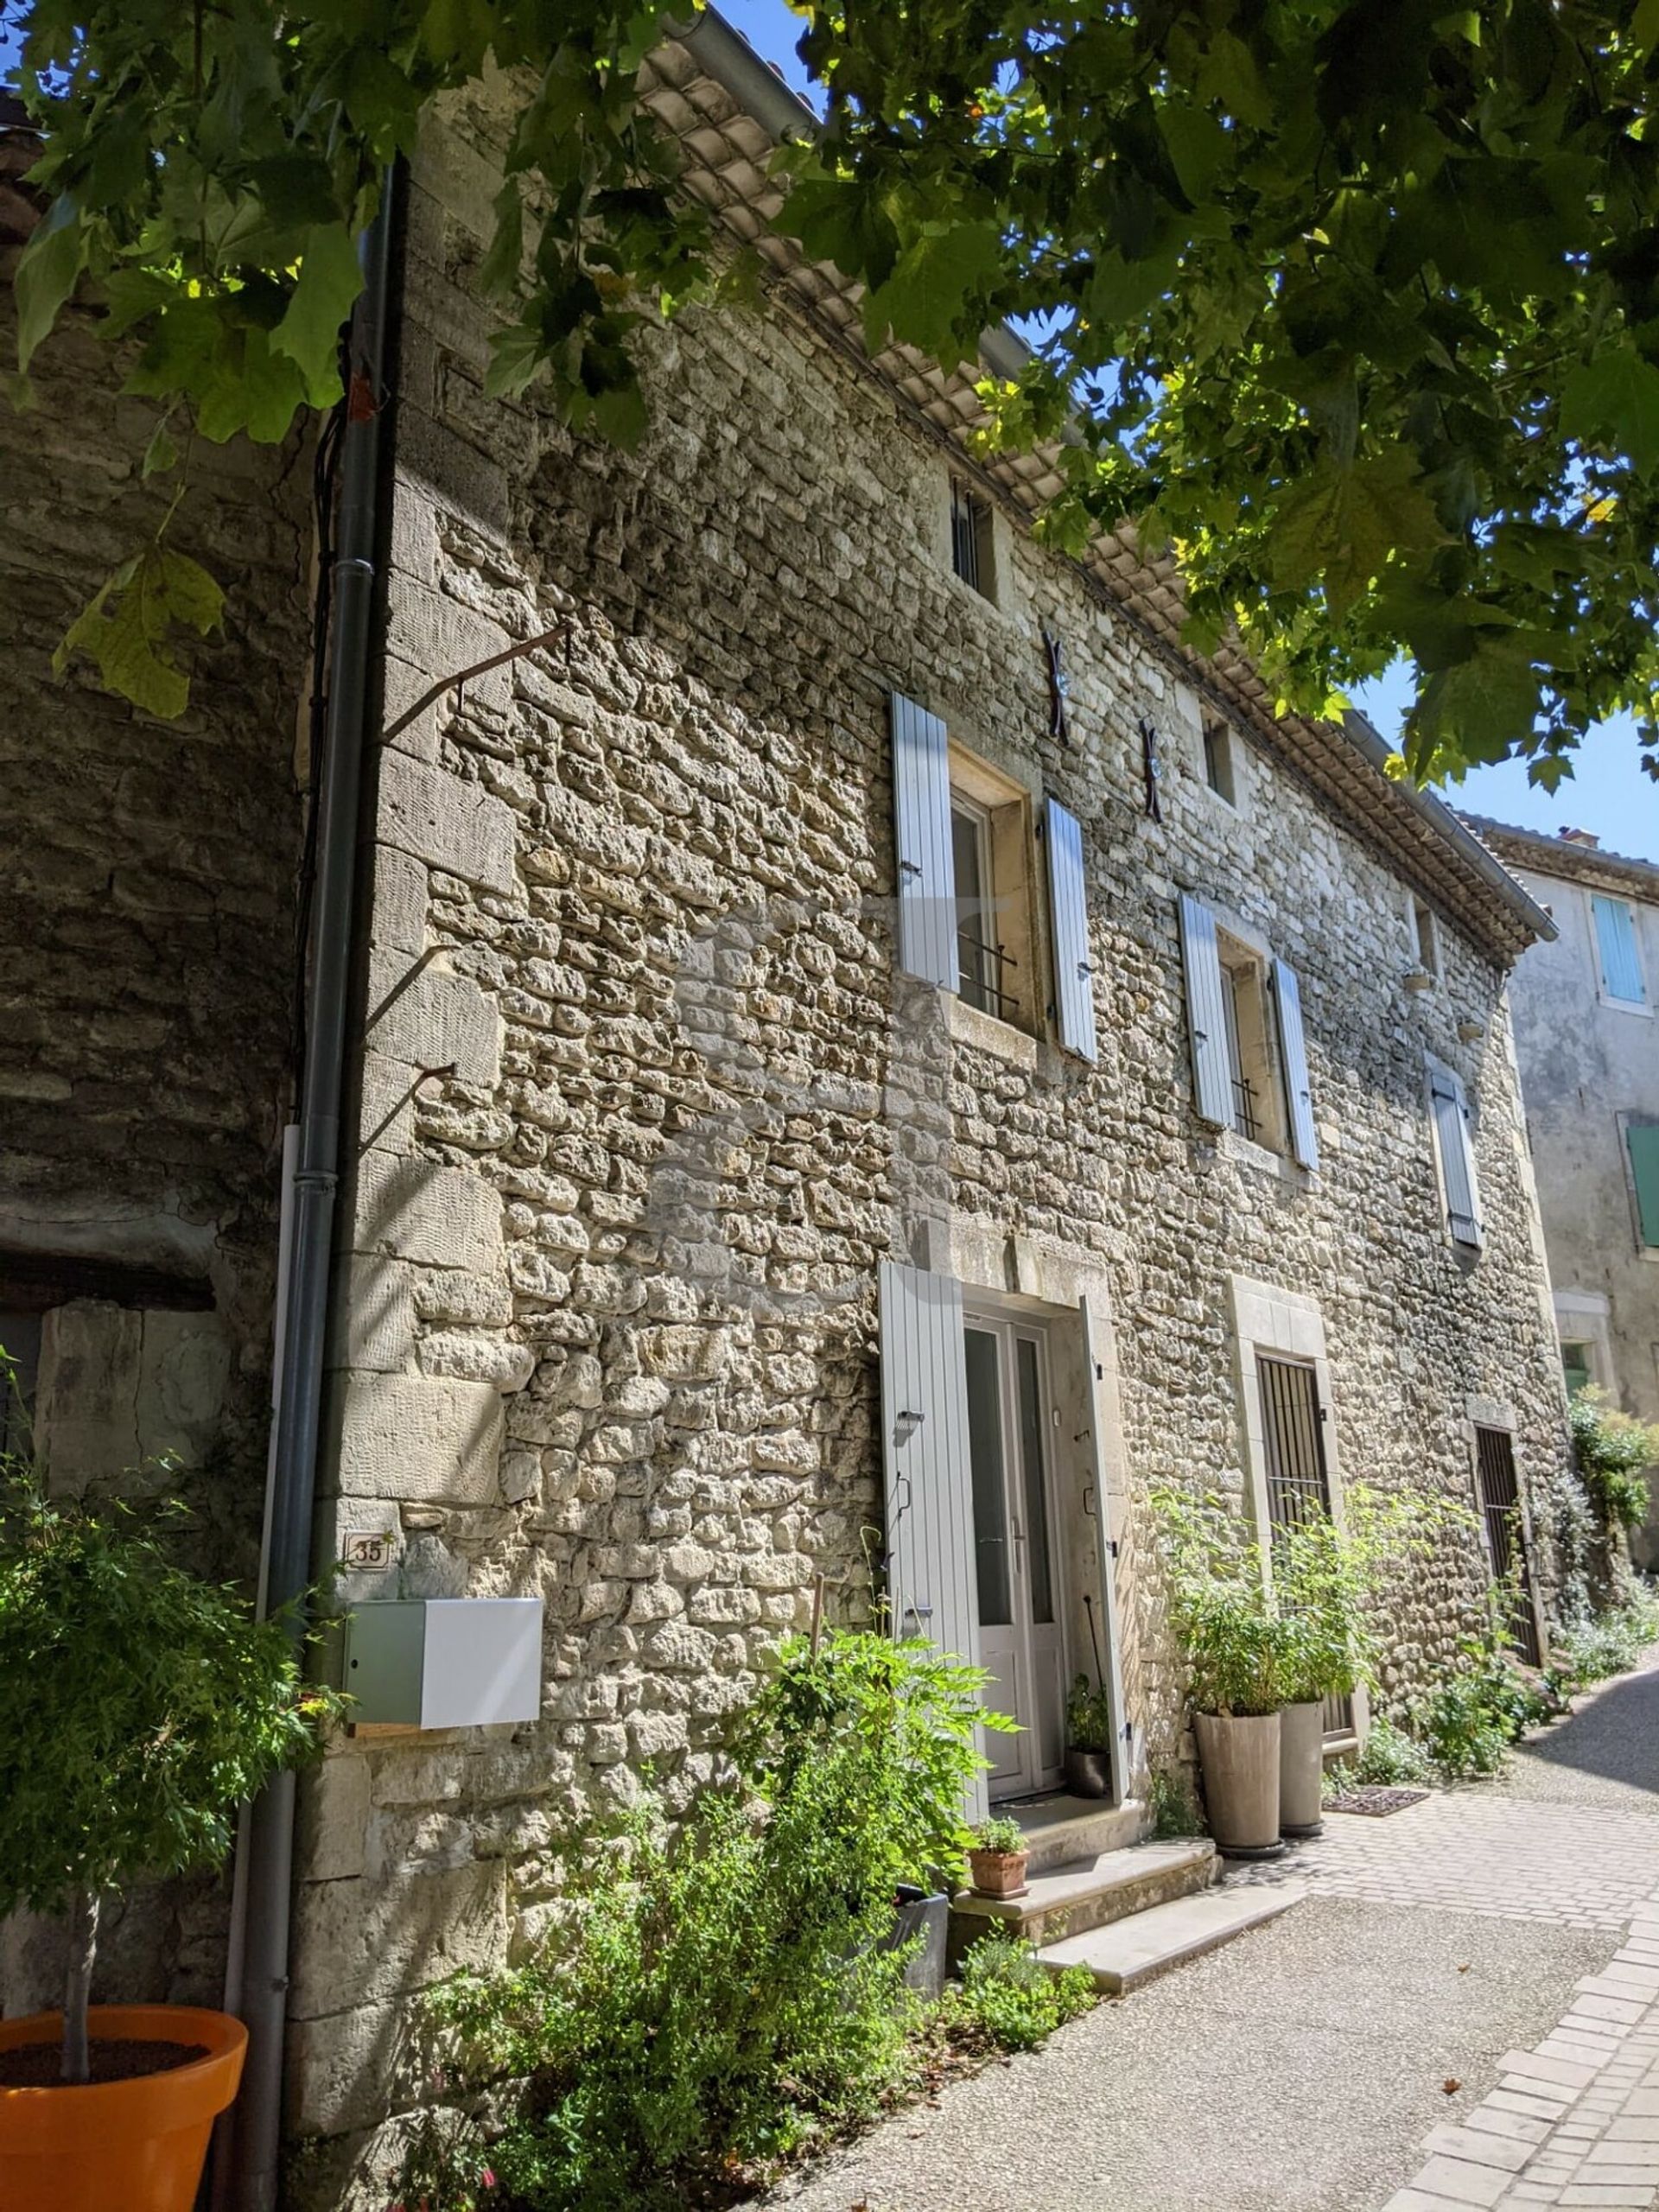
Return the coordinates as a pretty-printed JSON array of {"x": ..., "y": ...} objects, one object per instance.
[{"x": 267, "y": 1888}]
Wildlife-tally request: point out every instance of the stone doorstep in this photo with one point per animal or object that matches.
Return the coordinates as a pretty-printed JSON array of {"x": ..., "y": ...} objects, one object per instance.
[
  {"x": 1058, "y": 1830},
  {"x": 1085, "y": 1893},
  {"x": 1129, "y": 1952}
]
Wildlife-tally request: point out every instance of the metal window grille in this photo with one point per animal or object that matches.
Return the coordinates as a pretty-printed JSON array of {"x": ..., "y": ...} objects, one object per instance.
[
  {"x": 982, "y": 966},
  {"x": 1500, "y": 1507},
  {"x": 1246, "y": 1120},
  {"x": 1299, "y": 1483},
  {"x": 967, "y": 517}
]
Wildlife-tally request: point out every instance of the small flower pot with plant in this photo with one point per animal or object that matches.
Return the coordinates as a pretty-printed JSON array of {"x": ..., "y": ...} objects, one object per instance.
[
  {"x": 1233, "y": 1641},
  {"x": 1089, "y": 1739},
  {"x": 997, "y": 1858},
  {"x": 141, "y": 1704}
]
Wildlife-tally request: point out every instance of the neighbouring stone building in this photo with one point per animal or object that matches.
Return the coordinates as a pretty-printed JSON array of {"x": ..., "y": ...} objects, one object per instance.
[
  {"x": 834, "y": 1104},
  {"x": 1585, "y": 1033}
]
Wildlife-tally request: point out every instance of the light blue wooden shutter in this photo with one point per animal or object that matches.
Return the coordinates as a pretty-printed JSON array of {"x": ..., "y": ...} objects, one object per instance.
[
  {"x": 932, "y": 1585},
  {"x": 1126, "y": 1761},
  {"x": 1454, "y": 1137},
  {"x": 1621, "y": 969},
  {"x": 1206, "y": 1016},
  {"x": 1067, "y": 912},
  {"x": 1292, "y": 1047},
  {"x": 921, "y": 823}
]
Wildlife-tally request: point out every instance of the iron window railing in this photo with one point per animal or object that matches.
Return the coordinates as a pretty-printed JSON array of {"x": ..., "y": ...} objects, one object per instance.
[{"x": 978, "y": 961}]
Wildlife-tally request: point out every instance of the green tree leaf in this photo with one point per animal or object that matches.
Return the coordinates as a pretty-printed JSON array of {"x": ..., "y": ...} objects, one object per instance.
[
  {"x": 128, "y": 628},
  {"x": 46, "y": 274},
  {"x": 330, "y": 279},
  {"x": 1616, "y": 398},
  {"x": 930, "y": 299},
  {"x": 1342, "y": 526}
]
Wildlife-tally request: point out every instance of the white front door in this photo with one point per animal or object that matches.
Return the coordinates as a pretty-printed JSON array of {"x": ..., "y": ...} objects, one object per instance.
[{"x": 1021, "y": 1639}]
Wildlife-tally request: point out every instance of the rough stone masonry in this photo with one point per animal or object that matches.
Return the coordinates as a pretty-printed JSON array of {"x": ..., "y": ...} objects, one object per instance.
[{"x": 644, "y": 1104}]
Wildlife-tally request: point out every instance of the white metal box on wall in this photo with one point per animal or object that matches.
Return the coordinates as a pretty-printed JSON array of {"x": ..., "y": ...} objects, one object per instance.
[{"x": 445, "y": 1662}]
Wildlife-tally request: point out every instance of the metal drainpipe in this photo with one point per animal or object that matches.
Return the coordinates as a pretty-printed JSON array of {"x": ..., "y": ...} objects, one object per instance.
[{"x": 255, "y": 2162}]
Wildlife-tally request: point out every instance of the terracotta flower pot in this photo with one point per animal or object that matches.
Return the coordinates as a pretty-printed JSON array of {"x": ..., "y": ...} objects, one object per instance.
[
  {"x": 999, "y": 1873},
  {"x": 119, "y": 2146},
  {"x": 1301, "y": 1769},
  {"x": 1240, "y": 1759}
]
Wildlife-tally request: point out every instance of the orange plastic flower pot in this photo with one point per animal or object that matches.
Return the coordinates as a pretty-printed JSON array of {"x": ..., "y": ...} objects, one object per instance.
[{"x": 119, "y": 2146}]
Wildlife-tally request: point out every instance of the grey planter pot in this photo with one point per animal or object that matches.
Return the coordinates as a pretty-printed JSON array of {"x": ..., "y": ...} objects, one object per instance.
[
  {"x": 1240, "y": 1760},
  {"x": 1088, "y": 1774},
  {"x": 1301, "y": 1769},
  {"x": 917, "y": 1913}
]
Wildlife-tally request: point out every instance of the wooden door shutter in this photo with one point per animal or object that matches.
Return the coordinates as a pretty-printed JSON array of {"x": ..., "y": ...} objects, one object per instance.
[
  {"x": 1206, "y": 1016},
  {"x": 1292, "y": 1047},
  {"x": 1454, "y": 1136},
  {"x": 1642, "y": 1141},
  {"x": 921, "y": 823},
  {"x": 1068, "y": 914},
  {"x": 1621, "y": 966},
  {"x": 1125, "y": 1762}
]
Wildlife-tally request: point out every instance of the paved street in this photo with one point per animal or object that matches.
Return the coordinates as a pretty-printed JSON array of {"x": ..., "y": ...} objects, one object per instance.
[{"x": 1464, "y": 2013}]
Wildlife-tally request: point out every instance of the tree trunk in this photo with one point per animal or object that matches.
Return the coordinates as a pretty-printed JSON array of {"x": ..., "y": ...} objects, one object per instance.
[{"x": 78, "y": 1984}]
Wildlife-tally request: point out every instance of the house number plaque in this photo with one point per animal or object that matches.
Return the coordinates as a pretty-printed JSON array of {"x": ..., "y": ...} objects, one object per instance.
[{"x": 369, "y": 1551}]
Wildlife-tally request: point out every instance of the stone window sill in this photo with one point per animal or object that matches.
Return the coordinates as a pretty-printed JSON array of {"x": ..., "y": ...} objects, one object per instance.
[
  {"x": 1244, "y": 1151},
  {"x": 967, "y": 1026}
]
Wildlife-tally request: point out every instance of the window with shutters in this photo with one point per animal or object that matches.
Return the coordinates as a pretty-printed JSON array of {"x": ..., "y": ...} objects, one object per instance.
[
  {"x": 1642, "y": 1146},
  {"x": 1252, "y": 1045},
  {"x": 990, "y": 860},
  {"x": 1454, "y": 1151},
  {"x": 973, "y": 545},
  {"x": 1619, "y": 961}
]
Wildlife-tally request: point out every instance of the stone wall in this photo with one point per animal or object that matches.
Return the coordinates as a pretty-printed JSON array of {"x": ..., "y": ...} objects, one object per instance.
[
  {"x": 643, "y": 1106},
  {"x": 147, "y": 923}
]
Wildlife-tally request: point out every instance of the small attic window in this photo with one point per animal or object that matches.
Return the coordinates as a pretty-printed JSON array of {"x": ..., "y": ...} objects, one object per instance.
[
  {"x": 970, "y": 539},
  {"x": 1219, "y": 759}
]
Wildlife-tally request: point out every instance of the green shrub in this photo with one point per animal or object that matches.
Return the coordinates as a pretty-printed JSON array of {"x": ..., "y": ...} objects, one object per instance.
[
  {"x": 1173, "y": 1804},
  {"x": 717, "y": 1997},
  {"x": 1614, "y": 1453},
  {"x": 1602, "y": 1644},
  {"x": 1392, "y": 1757},
  {"x": 1088, "y": 1716},
  {"x": 1230, "y": 1628},
  {"x": 999, "y": 1834},
  {"x": 1008, "y": 2000},
  {"x": 1332, "y": 1577},
  {"x": 1469, "y": 1720}
]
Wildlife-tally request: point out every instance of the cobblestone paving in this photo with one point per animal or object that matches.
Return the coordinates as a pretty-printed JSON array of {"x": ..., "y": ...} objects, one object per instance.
[
  {"x": 1575, "y": 2120},
  {"x": 1519, "y": 1859}
]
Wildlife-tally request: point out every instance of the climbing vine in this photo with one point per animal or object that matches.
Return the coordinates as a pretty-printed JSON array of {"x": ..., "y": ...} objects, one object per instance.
[{"x": 1353, "y": 309}]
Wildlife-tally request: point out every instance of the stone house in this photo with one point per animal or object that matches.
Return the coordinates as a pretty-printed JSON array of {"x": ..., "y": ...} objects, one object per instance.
[
  {"x": 867, "y": 1055},
  {"x": 1583, "y": 1012}
]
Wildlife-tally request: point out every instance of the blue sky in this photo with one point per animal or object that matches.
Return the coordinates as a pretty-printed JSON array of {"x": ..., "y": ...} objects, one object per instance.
[{"x": 1609, "y": 794}]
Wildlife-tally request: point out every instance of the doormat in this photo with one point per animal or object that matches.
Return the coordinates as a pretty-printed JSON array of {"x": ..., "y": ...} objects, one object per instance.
[{"x": 1373, "y": 1799}]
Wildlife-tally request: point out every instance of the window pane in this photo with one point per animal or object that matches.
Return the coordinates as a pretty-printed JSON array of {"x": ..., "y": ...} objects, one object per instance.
[
  {"x": 974, "y": 934},
  {"x": 1575, "y": 1365},
  {"x": 990, "y": 1485},
  {"x": 1036, "y": 1490},
  {"x": 1621, "y": 971}
]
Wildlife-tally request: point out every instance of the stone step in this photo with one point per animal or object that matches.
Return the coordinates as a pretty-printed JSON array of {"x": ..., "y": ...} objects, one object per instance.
[
  {"x": 1060, "y": 1828},
  {"x": 1129, "y": 1952},
  {"x": 1084, "y": 1893}
]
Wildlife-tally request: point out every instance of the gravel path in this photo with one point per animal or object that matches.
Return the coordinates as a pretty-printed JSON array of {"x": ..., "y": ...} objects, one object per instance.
[{"x": 1299, "y": 2069}]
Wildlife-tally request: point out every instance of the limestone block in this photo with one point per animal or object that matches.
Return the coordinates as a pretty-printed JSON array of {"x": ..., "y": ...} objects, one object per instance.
[
  {"x": 424, "y": 1017},
  {"x": 334, "y": 1819},
  {"x": 475, "y": 1358},
  {"x": 457, "y": 827},
  {"x": 414, "y": 1437},
  {"x": 371, "y": 1316},
  {"x": 397, "y": 914},
  {"x": 340, "y": 1519},
  {"x": 346, "y": 2070},
  {"x": 359, "y": 1941},
  {"x": 436, "y": 1217}
]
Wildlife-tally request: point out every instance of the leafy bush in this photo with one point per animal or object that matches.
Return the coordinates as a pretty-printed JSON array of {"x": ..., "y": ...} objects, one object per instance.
[
  {"x": 720, "y": 1996},
  {"x": 1008, "y": 2000},
  {"x": 1599, "y": 1645},
  {"x": 1330, "y": 1577},
  {"x": 142, "y": 1705},
  {"x": 1390, "y": 1757},
  {"x": 1088, "y": 1716},
  {"x": 1229, "y": 1626},
  {"x": 1173, "y": 1804},
  {"x": 1614, "y": 1453}
]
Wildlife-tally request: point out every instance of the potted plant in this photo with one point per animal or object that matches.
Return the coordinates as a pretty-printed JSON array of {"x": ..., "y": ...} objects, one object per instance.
[
  {"x": 1235, "y": 1644},
  {"x": 1089, "y": 1739},
  {"x": 142, "y": 1705},
  {"x": 997, "y": 1856}
]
